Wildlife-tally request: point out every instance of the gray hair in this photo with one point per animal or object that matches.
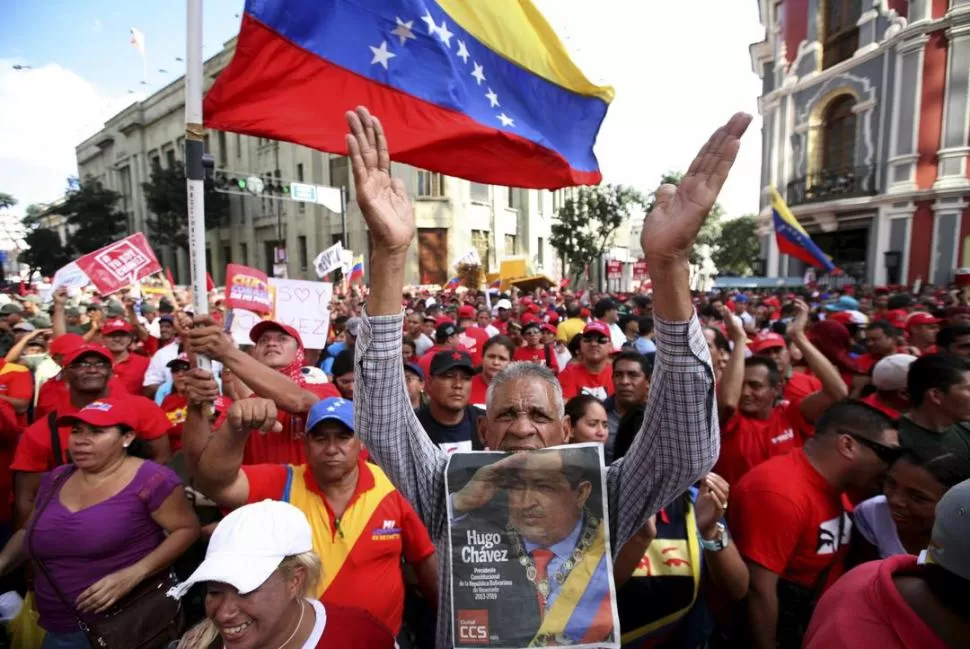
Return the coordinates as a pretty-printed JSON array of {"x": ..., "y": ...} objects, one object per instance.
[{"x": 523, "y": 370}]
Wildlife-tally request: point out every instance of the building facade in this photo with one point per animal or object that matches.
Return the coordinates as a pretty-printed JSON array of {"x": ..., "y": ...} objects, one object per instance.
[
  {"x": 866, "y": 133},
  {"x": 452, "y": 215}
]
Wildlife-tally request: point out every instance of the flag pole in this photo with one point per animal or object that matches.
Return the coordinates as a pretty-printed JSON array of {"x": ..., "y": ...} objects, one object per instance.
[{"x": 194, "y": 171}]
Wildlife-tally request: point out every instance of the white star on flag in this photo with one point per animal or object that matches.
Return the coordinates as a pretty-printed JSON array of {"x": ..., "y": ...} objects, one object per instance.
[
  {"x": 462, "y": 51},
  {"x": 478, "y": 73},
  {"x": 492, "y": 98},
  {"x": 444, "y": 34},
  {"x": 429, "y": 20},
  {"x": 506, "y": 120},
  {"x": 381, "y": 55},
  {"x": 403, "y": 30}
]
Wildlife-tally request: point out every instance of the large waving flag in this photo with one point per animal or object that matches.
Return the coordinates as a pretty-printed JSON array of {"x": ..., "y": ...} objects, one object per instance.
[
  {"x": 480, "y": 89},
  {"x": 792, "y": 238}
]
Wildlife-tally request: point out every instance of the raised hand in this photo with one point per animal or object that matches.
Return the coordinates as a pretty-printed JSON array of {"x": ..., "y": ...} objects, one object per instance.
[
  {"x": 480, "y": 490},
  {"x": 671, "y": 228},
  {"x": 253, "y": 414},
  {"x": 735, "y": 329},
  {"x": 712, "y": 502},
  {"x": 800, "y": 321},
  {"x": 382, "y": 199}
]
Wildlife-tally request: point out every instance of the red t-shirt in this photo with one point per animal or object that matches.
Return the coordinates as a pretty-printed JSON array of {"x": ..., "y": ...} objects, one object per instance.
[
  {"x": 799, "y": 385},
  {"x": 10, "y": 428},
  {"x": 865, "y": 610},
  {"x": 368, "y": 573},
  {"x": 473, "y": 340},
  {"x": 353, "y": 628},
  {"x": 502, "y": 326},
  {"x": 285, "y": 447},
  {"x": 54, "y": 395},
  {"x": 131, "y": 372},
  {"x": 746, "y": 442},
  {"x": 538, "y": 355},
  {"x": 874, "y": 401},
  {"x": 576, "y": 379},
  {"x": 16, "y": 382},
  {"x": 479, "y": 391},
  {"x": 175, "y": 407},
  {"x": 785, "y": 517},
  {"x": 34, "y": 452}
]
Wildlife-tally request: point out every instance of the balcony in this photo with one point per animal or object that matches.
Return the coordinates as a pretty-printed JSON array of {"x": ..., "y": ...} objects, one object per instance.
[{"x": 832, "y": 184}]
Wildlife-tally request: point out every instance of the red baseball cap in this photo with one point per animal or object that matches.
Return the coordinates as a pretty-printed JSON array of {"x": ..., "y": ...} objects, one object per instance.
[
  {"x": 85, "y": 350},
  {"x": 921, "y": 318},
  {"x": 766, "y": 340},
  {"x": 102, "y": 413},
  {"x": 584, "y": 313},
  {"x": 549, "y": 328},
  {"x": 443, "y": 320},
  {"x": 466, "y": 312},
  {"x": 597, "y": 327},
  {"x": 116, "y": 325},
  {"x": 271, "y": 325},
  {"x": 65, "y": 343}
]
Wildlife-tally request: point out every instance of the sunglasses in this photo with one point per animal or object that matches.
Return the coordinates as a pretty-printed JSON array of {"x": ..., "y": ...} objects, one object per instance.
[
  {"x": 91, "y": 365},
  {"x": 887, "y": 454},
  {"x": 600, "y": 340}
]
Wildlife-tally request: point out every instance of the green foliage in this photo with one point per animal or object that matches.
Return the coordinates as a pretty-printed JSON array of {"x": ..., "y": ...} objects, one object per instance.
[
  {"x": 738, "y": 249},
  {"x": 588, "y": 221},
  {"x": 166, "y": 196},
  {"x": 45, "y": 254},
  {"x": 710, "y": 231},
  {"x": 32, "y": 216},
  {"x": 6, "y": 200},
  {"x": 91, "y": 214}
]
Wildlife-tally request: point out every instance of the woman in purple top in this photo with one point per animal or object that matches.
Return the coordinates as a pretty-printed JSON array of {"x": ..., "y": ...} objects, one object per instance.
[{"x": 101, "y": 525}]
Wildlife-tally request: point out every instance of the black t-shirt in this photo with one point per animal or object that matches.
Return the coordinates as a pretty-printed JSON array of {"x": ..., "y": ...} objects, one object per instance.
[{"x": 463, "y": 436}]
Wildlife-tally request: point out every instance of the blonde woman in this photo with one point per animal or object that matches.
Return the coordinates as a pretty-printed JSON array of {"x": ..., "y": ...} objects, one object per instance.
[{"x": 261, "y": 572}]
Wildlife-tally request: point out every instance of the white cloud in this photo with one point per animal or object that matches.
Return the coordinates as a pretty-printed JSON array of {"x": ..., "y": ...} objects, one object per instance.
[
  {"x": 47, "y": 111},
  {"x": 680, "y": 70}
]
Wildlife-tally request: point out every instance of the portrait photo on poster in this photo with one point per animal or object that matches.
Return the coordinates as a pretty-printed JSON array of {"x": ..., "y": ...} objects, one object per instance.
[{"x": 529, "y": 549}]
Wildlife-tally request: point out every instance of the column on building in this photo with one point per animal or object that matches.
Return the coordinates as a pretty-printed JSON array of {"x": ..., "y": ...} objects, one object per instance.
[
  {"x": 901, "y": 162},
  {"x": 954, "y": 149}
]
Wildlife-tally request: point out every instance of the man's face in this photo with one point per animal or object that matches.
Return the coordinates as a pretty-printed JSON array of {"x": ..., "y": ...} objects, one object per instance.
[
  {"x": 610, "y": 316},
  {"x": 504, "y": 314},
  {"x": 72, "y": 318},
  {"x": 523, "y": 416},
  {"x": 960, "y": 346},
  {"x": 166, "y": 331},
  {"x": 450, "y": 390},
  {"x": 484, "y": 319},
  {"x": 427, "y": 327},
  {"x": 595, "y": 348},
  {"x": 332, "y": 450},
  {"x": 276, "y": 349},
  {"x": 415, "y": 385},
  {"x": 631, "y": 384},
  {"x": 117, "y": 342},
  {"x": 956, "y": 400},
  {"x": 757, "y": 393},
  {"x": 868, "y": 470},
  {"x": 878, "y": 343},
  {"x": 780, "y": 356},
  {"x": 533, "y": 337},
  {"x": 543, "y": 506},
  {"x": 88, "y": 374},
  {"x": 345, "y": 385},
  {"x": 924, "y": 334},
  {"x": 414, "y": 325}
]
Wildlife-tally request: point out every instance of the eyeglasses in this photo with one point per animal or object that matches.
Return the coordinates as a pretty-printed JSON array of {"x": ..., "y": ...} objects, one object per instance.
[
  {"x": 599, "y": 340},
  {"x": 887, "y": 454},
  {"x": 91, "y": 365}
]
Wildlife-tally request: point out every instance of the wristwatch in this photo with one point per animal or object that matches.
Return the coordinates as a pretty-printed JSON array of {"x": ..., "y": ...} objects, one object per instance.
[{"x": 718, "y": 543}]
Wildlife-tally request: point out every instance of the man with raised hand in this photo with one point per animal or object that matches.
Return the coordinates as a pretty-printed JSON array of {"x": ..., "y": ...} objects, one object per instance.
[{"x": 680, "y": 439}]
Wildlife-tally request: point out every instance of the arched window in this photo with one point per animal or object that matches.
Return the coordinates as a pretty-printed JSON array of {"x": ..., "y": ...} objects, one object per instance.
[
  {"x": 841, "y": 36},
  {"x": 838, "y": 135}
]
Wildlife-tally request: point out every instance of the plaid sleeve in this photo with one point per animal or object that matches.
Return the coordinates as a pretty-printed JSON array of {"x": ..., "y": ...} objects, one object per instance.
[
  {"x": 388, "y": 426},
  {"x": 679, "y": 441}
]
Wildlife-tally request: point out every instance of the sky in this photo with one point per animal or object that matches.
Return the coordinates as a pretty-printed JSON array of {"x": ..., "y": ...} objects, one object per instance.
[{"x": 680, "y": 69}]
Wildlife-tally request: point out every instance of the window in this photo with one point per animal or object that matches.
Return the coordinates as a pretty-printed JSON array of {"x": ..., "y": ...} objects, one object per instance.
[
  {"x": 125, "y": 176},
  {"x": 430, "y": 184},
  {"x": 302, "y": 251},
  {"x": 243, "y": 254},
  {"x": 206, "y": 144},
  {"x": 509, "y": 244},
  {"x": 299, "y": 172},
  {"x": 223, "y": 151},
  {"x": 238, "y": 146},
  {"x": 482, "y": 244},
  {"x": 779, "y": 25},
  {"x": 838, "y": 135},
  {"x": 841, "y": 33},
  {"x": 513, "y": 198},
  {"x": 540, "y": 202},
  {"x": 556, "y": 201},
  {"x": 180, "y": 148},
  {"x": 541, "y": 252},
  {"x": 433, "y": 255},
  {"x": 208, "y": 260},
  {"x": 155, "y": 160},
  {"x": 479, "y": 193},
  {"x": 170, "y": 158},
  {"x": 339, "y": 172},
  {"x": 226, "y": 256}
]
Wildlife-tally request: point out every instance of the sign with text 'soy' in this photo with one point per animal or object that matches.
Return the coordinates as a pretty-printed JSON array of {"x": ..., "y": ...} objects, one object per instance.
[{"x": 301, "y": 304}]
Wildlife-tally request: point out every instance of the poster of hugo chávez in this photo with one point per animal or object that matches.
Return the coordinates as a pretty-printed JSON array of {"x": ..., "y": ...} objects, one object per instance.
[{"x": 529, "y": 550}]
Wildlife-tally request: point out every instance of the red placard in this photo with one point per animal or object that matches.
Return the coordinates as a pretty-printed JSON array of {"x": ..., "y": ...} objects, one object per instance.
[
  {"x": 247, "y": 288},
  {"x": 640, "y": 270},
  {"x": 120, "y": 264},
  {"x": 614, "y": 269}
]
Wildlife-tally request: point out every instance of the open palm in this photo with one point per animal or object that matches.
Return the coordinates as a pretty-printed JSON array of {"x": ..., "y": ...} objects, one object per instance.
[
  {"x": 382, "y": 199},
  {"x": 671, "y": 228}
]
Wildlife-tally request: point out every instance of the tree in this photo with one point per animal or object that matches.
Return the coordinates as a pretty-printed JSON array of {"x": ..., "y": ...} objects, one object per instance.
[
  {"x": 588, "y": 221},
  {"x": 738, "y": 249},
  {"x": 710, "y": 231},
  {"x": 90, "y": 211},
  {"x": 45, "y": 253},
  {"x": 166, "y": 196},
  {"x": 6, "y": 200}
]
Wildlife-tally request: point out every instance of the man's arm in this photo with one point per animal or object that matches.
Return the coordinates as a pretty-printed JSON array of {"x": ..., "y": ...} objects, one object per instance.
[
  {"x": 384, "y": 417},
  {"x": 732, "y": 378},
  {"x": 679, "y": 441},
  {"x": 762, "y": 606}
]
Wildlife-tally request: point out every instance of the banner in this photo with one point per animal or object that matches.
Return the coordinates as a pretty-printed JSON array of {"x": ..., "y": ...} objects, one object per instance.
[
  {"x": 247, "y": 288},
  {"x": 303, "y": 305},
  {"x": 120, "y": 264},
  {"x": 70, "y": 276},
  {"x": 614, "y": 269},
  {"x": 329, "y": 260},
  {"x": 640, "y": 270},
  {"x": 529, "y": 555}
]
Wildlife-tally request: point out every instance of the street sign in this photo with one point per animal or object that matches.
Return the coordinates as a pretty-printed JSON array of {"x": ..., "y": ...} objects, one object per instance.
[{"x": 303, "y": 192}]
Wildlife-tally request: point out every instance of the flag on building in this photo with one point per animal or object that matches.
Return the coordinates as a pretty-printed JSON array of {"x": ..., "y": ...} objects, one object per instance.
[
  {"x": 792, "y": 238},
  {"x": 479, "y": 90},
  {"x": 357, "y": 270},
  {"x": 138, "y": 40}
]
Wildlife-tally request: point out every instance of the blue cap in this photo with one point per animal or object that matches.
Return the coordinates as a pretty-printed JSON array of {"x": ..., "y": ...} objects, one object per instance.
[
  {"x": 334, "y": 408},
  {"x": 741, "y": 298},
  {"x": 415, "y": 368},
  {"x": 844, "y": 303}
]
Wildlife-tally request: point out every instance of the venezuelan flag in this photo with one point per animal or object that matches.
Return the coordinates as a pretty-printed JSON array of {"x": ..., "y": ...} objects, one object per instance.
[
  {"x": 357, "y": 270},
  {"x": 453, "y": 283},
  {"x": 479, "y": 89},
  {"x": 792, "y": 238}
]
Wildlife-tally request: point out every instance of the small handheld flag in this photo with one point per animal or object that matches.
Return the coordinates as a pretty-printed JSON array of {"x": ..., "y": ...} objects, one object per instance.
[{"x": 357, "y": 271}]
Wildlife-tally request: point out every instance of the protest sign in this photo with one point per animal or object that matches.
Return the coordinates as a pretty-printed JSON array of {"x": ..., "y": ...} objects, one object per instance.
[
  {"x": 529, "y": 550},
  {"x": 303, "y": 305},
  {"x": 120, "y": 264},
  {"x": 329, "y": 260},
  {"x": 247, "y": 288},
  {"x": 71, "y": 277}
]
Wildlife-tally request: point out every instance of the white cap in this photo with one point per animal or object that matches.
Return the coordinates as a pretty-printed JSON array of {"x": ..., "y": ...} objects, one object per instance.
[
  {"x": 249, "y": 544},
  {"x": 503, "y": 304},
  {"x": 890, "y": 373}
]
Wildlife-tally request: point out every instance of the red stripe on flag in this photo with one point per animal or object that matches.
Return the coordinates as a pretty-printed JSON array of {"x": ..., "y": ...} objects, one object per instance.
[
  {"x": 787, "y": 247},
  {"x": 311, "y": 113}
]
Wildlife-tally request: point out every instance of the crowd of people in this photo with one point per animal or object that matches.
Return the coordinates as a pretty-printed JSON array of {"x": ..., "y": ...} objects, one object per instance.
[{"x": 783, "y": 469}]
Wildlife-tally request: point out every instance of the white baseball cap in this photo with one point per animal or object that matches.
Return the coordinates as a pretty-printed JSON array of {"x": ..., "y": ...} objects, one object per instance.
[
  {"x": 503, "y": 304},
  {"x": 249, "y": 544},
  {"x": 890, "y": 373}
]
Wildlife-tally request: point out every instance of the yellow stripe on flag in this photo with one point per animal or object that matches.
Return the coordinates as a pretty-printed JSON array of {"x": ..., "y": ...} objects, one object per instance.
[{"x": 778, "y": 204}]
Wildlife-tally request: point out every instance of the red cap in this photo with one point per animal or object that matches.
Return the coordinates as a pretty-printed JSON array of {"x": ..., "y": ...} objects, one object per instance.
[
  {"x": 84, "y": 350},
  {"x": 584, "y": 313},
  {"x": 271, "y": 325},
  {"x": 116, "y": 325},
  {"x": 65, "y": 343},
  {"x": 466, "y": 312},
  {"x": 921, "y": 318},
  {"x": 549, "y": 328},
  {"x": 102, "y": 413},
  {"x": 843, "y": 317},
  {"x": 597, "y": 327},
  {"x": 766, "y": 340},
  {"x": 552, "y": 317},
  {"x": 534, "y": 308},
  {"x": 526, "y": 301},
  {"x": 442, "y": 320},
  {"x": 528, "y": 318}
]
